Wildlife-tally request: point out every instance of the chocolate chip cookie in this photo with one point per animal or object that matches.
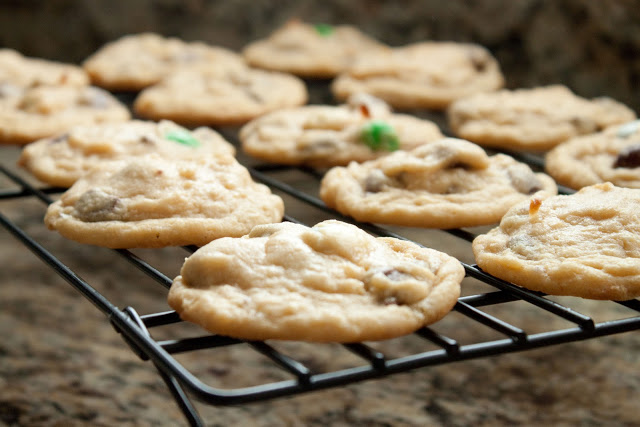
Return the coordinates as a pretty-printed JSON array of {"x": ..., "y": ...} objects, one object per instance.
[
  {"x": 322, "y": 135},
  {"x": 22, "y": 71},
  {"x": 329, "y": 283},
  {"x": 586, "y": 244},
  {"x": 448, "y": 183}
]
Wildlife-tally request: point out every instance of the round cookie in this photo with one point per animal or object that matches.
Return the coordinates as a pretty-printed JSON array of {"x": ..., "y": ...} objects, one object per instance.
[
  {"x": 532, "y": 119},
  {"x": 219, "y": 97},
  {"x": 324, "y": 136},
  {"x": 39, "y": 112},
  {"x": 320, "y": 51},
  {"x": 612, "y": 155},
  {"x": 586, "y": 244},
  {"x": 421, "y": 75},
  {"x": 22, "y": 71},
  {"x": 155, "y": 202},
  {"x": 449, "y": 183},
  {"x": 63, "y": 159},
  {"x": 136, "y": 61},
  {"x": 329, "y": 283}
]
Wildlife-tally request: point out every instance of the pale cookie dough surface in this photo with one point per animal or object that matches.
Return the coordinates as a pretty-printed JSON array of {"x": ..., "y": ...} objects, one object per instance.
[
  {"x": 23, "y": 71},
  {"x": 156, "y": 202},
  {"x": 612, "y": 155},
  {"x": 136, "y": 61},
  {"x": 324, "y": 136},
  {"x": 449, "y": 183},
  {"x": 307, "y": 50},
  {"x": 532, "y": 119},
  {"x": 61, "y": 160},
  {"x": 586, "y": 244},
  {"x": 422, "y": 75},
  {"x": 43, "y": 111},
  {"x": 220, "y": 97},
  {"x": 329, "y": 283}
]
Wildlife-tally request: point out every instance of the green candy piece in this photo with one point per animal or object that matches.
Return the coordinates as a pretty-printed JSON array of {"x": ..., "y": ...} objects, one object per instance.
[
  {"x": 324, "y": 30},
  {"x": 182, "y": 137},
  {"x": 379, "y": 135}
]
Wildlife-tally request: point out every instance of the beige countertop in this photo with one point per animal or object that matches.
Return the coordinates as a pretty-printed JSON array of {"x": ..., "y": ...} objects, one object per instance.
[{"x": 61, "y": 363}]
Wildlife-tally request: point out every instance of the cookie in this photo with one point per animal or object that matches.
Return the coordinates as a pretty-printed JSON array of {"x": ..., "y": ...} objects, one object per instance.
[
  {"x": 39, "y": 112},
  {"x": 136, "y": 61},
  {"x": 449, "y": 183},
  {"x": 61, "y": 160},
  {"x": 329, "y": 283},
  {"x": 427, "y": 75},
  {"x": 155, "y": 202},
  {"x": 324, "y": 136},
  {"x": 532, "y": 119},
  {"x": 306, "y": 50},
  {"x": 219, "y": 97},
  {"x": 22, "y": 71},
  {"x": 586, "y": 244},
  {"x": 612, "y": 155}
]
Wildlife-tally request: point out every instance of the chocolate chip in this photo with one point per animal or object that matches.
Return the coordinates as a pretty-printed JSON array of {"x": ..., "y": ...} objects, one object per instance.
[
  {"x": 523, "y": 179},
  {"x": 395, "y": 275},
  {"x": 479, "y": 59},
  {"x": 375, "y": 181},
  {"x": 96, "y": 205},
  {"x": 584, "y": 125},
  {"x": 58, "y": 139},
  {"x": 628, "y": 157}
]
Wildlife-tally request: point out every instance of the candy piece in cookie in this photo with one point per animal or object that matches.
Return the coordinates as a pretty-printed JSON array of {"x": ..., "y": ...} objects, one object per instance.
[
  {"x": 421, "y": 75},
  {"x": 329, "y": 283},
  {"x": 322, "y": 135},
  {"x": 22, "y": 71},
  {"x": 586, "y": 244},
  {"x": 220, "y": 97},
  {"x": 533, "y": 119},
  {"x": 156, "y": 202},
  {"x": 136, "y": 61},
  {"x": 44, "y": 111},
  {"x": 61, "y": 160},
  {"x": 307, "y": 50},
  {"x": 448, "y": 183},
  {"x": 612, "y": 155}
]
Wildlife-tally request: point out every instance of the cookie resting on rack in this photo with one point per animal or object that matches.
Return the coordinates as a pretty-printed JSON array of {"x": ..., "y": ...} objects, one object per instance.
[
  {"x": 532, "y": 119},
  {"x": 586, "y": 244},
  {"x": 421, "y": 75},
  {"x": 612, "y": 155},
  {"x": 306, "y": 50},
  {"x": 150, "y": 203},
  {"x": 219, "y": 97},
  {"x": 322, "y": 135},
  {"x": 61, "y": 160},
  {"x": 136, "y": 61},
  {"x": 38, "y": 112},
  {"x": 449, "y": 183},
  {"x": 329, "y": 283},
  {"x": 23, "y": 71}
]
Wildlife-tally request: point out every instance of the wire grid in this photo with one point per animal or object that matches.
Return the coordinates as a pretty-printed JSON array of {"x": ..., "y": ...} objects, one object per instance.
[{"x": 183, "y": 384}]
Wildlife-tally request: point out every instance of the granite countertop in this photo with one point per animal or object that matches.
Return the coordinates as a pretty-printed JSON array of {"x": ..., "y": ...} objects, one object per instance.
[{"x": 62, "y": 364}]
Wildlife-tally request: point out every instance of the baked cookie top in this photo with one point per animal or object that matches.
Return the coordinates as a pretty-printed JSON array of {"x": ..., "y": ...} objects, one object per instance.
[
  {"x": 155, "y": 202},
  {"x": 421, "y": 75},
  {"x": 136, "y": 61},
  {"x": 534, "y": 119},
  {"x": 39, "y": 112},
  {"x": 329, "y": 283},
  {"x": 61, "y": 160},
  {"x": 220, "y": 97},
  {"x": 448, "y": 183},
  {"x": 586, "y": 244},
  {"x": 612, "y": 155},
  {"x": 22, "y": 71},
  {"x": 307, "y": 50},
  {"x": 322, "y": 136}
]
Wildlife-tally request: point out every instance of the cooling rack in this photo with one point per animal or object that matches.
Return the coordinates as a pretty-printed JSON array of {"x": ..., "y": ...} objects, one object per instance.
[{"x": 433, "y": 346}]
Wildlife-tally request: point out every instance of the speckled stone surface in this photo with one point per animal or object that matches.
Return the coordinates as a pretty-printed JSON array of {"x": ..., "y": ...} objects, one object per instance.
[{"x": 62, "y": 364}]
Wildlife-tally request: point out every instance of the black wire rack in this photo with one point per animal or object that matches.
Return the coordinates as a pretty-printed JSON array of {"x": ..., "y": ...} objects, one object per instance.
[{"x": 439, "y": 348}]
